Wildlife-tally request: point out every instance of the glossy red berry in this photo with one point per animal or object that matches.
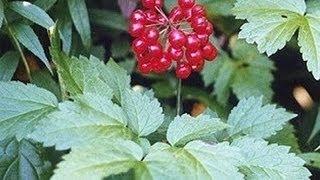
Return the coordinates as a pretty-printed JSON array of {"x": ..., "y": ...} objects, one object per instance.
[
  {"x": 186, "y": 4},
  {"x": 175, "y": 54},
  {"x": 151, "y": 35},
  {"x": 158, "y": 3},
  {"x": 155, "y": 51},
  {"x": 139, "y": 45},
  {"x": 193, "y": 43},
  {"x": 198, "y": 10},
  {"x": 149, "y": 4},
  {"x": 151, "y": 16},
  {"x": 177, "y": 38},
  {"x": 199, "y": 24},
  {"x": 209, "y": 29},
  {"x": 183, "y": 71},
  {"x": 138, "y": 17},
  {"x": 165, "y": 61},
  {"x": 187, "y": 14},
  {"x": 204, "y": 38},
  {"x": 194, "y": 57},
  {"x": 176, "y": 14},
  {"x": 145, "y": 68},
  {"x": 209, "y": 52},
  {"x": 136, "y": 29},
  {"x": 198, "y": 66}
]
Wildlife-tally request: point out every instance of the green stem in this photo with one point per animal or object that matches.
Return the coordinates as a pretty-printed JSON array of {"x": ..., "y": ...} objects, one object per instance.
[
  {"x": 179, "y": 97},
  {"x": 17, "y": 44}
]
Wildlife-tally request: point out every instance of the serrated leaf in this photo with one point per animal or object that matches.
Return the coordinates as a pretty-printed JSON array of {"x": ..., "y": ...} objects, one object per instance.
[
  {"x": 44, "y": 80},
  {"x": 79, "y": 14},
  {"x": 204, "y": 161},
  {"x": 116, "y": 77},
  {"x": 144, "y": 113},
  {"x": 251, "y": 117},
  {"x": 308, "y": 40},
  {"x": 8, "y": 65},
  {"x": 271, "y": 23},
  {"x": 1, "y": 13},
  {"x": 22, "y": 160},
  {"x": 263, "y": 161},
  {"x": 22, "y": 107},
  {"x": 98, "y": 160},
  {"x": 185, "y": 128},
  {"x": 32, "y": 12},
  {"x": 29, "y": 39},
  {"x": 211, "y": 69},
  {"x": 286, "y": 137},
  {"x": 91, "y": 118},
  {"x": 312, "y": 159}
]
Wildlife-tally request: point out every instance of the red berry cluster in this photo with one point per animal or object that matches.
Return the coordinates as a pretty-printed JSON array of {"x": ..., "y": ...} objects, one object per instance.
[{"x": 180, "y": 40}]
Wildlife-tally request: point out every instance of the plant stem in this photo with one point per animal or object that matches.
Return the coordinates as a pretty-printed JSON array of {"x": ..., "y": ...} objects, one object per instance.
[
  {"x": 16, "y": 42},
  {"x": 179, "y": 97}
]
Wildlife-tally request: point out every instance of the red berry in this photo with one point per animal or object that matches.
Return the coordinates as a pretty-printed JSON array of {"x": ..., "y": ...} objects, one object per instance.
[
  {"x": 161, "y": 19},
  {"x": 186, "y": 4},
  {"x": 156, "y": 66},
  {"x": 175, "y": 54},
  {"x": 198, "y": 10},
  {"x": 193, "y": 43},
  {"x": 204, "y": 38},
  {"x": 209, "y": 29},
  {"x": 183, "y": 71},
  {"x": 177, "y": 39},
  {"x": 145, "y": 68},
  {"x": 187, "y": 14},
  {"x": 136, "y": 29},
  {"x": 209, "y": 52},
  {"x": 151, "y": 16},
  {"x": 176, "y": 14},
  {"x": 139, "y": 45},
  {"x": 199, "y": 24},
  {"x": 155, "y": 51},
  {"x": 151, "y": 35},
  {"x": 158, "y": 3},
  {"x": 194, "y": 57},
  {"x": 149, "y": 4},
  {"x": 165, "y": 62},
  {"x": 198, "y": 66},
  {"x": 138, "y": 16}
]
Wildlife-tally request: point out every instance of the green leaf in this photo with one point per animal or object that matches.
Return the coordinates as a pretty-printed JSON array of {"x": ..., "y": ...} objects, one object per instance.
[
  {"x": 120, "y": 48},
  {"x": 1, "y": 13},
  {"x": 64, "y": 25},
  {"x": 44, "y": 80},
  {"x": 129, "y": 64},
  {"x": 116, "y": 77},
  {"x": 286, "y": 137},
  {"x": 204, "y": 161},
  {"x": 263, "y": 161},
  {"x": 22, "y": 107},
  {"x": 144, "y": 113},
  {"x": 45, "y": 4},
  {"x": 79, "y": 14},
  {"x": 29, "y": 39},
  {"x": 312, "y": 159},
  {"x": 98, "y": 160},
  {"x": 8, "y": 65},
  {"x": 270, "y": 23},
  {"x": 91, "y": 118},
  {"x": 316, "y": 127},
  {"x": 22, "y": 160},
  {"x": 313, "y": 7},
  {"x": 251, "y": 118},
  {"x": 32, "y": 12},
  {"x": 247, "y": 73},
  {"x": 308, "y": 40},
  {"x": 108, "y": 19},
  {"x": 185, "y": 128}
]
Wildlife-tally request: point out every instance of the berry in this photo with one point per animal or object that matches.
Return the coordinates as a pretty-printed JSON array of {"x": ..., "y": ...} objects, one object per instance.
[
  {"x": 144, "y": 68},
  {"x": 193, "y": 43},
  {"x": 186, "y": 4},
  {"x": 155, "y": 51},
  {"x": 149, "y": 4},
  {"x": 151, "y": 35},
  {"x": 175, "y": 54},
  {"x": 177, "y": 38},
  {"x": 139, "y": 46},
  {"x": 136, "y": 29},
  {"x": 183, "y": 71},
  {"x": 182, "y": 37},
  {"x": 138, "y": 17},
  {"x": 209, "y": 52},
  {"x": 198, "y": 10}
]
